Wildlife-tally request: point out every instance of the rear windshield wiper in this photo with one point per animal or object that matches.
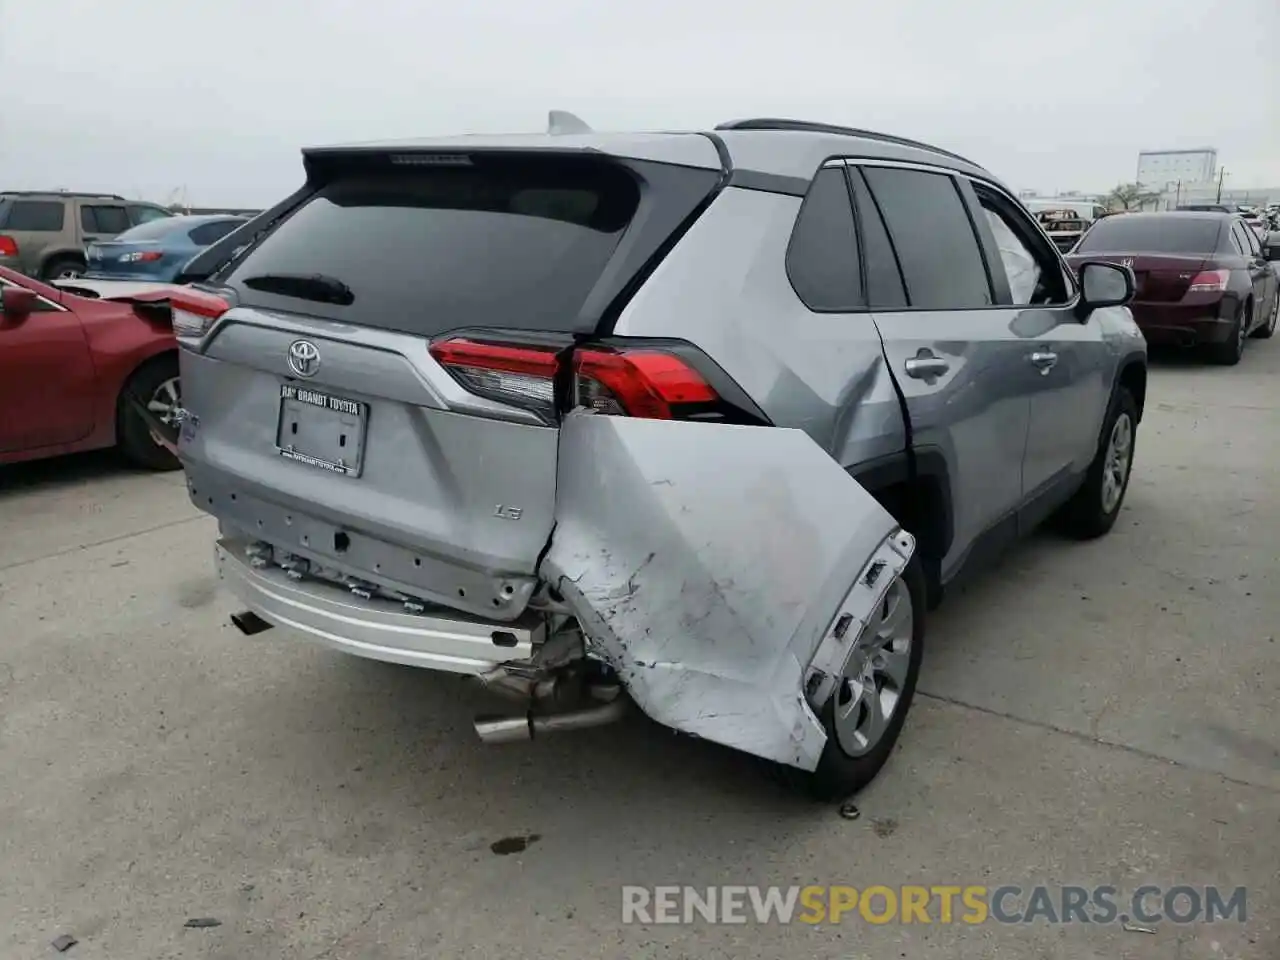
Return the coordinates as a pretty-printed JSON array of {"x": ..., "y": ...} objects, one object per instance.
[{"x": 319, "y": 287}]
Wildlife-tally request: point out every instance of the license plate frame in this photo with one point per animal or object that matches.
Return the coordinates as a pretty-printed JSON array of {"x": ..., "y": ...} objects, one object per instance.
[{"x": 317, "y": 429}]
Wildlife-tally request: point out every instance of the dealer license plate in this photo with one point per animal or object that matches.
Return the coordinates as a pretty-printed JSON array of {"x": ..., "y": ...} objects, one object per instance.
[{"x": 322, "y": 430}]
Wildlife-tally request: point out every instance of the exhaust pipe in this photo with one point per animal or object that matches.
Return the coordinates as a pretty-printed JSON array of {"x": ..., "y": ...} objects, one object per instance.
[
  {"x": 249, "y": 623},
  {"x": 512, "y": 729}
]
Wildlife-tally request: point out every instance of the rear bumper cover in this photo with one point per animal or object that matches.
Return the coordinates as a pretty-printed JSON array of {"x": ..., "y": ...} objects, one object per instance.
[
  {"x": 372, "y": 628},
  {"x": 1180, "y": 323}
]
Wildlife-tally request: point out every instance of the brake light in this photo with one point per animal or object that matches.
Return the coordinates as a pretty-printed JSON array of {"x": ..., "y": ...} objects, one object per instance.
[
  {"x": 644, "y": 383},
  {"x": 141, "y": 256},
  {"x": 8, "y": 246},
  {"x": 1209, "y": 281},
  {"x": 194, "y": 312}
]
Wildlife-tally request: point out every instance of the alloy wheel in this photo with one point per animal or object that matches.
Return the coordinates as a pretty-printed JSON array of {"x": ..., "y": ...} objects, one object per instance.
[
  {"x": 1115, "y": 468},
  {"x": 165, "y": 401},
  {"x": 875, "y": 674}
]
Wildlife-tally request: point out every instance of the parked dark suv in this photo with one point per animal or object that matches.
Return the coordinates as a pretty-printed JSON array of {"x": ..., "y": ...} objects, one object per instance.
[{"x": 43, "y": 234}]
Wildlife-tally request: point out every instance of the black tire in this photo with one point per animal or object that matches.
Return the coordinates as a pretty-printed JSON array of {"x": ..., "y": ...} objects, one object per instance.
[
  {"x": 1265, "y": 331},
  {"x": 839, "y": 775},
  {"x": 1228, "y": 352},
  {"x": 1086, "y": 515},
  {"x": 132, "y": 433},
  {"x": 56, "y": 267}
]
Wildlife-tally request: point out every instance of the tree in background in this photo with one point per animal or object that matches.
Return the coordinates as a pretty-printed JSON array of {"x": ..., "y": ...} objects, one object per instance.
[{"x": 1130, "y": 196}]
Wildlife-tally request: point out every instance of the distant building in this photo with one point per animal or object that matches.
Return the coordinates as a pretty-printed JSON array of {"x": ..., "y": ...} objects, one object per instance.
[{"x": 1156, "y": 168}]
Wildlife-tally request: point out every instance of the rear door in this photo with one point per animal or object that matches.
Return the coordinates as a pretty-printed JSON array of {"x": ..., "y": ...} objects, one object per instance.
[
  {"x": 957, "y": 354},
  {"x": 381, "y": 396},
  {"x": 1260, "y": 272}
]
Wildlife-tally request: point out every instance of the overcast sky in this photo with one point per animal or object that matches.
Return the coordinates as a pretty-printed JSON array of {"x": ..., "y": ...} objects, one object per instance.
[{"x": 148, "y": 97}]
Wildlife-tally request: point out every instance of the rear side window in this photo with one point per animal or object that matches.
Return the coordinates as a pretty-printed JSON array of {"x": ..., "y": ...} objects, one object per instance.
[
  {"x": 39, "y": 216},
  {"x": 142, "y": 213},
  {"x": 102, "y": 219},
  {"x": 822, "y": 259},
  {"x": 1134, "y": 233},
  {"x": 516, "y": 243},
  {"x": 208, "y": 233},
  {"x": 933, "y": 237}
]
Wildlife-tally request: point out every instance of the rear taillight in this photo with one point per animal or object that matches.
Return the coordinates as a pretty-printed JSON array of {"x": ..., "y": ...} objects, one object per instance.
[
  {"x": 1209, "y": 281},
  {"x": 8, "y": 246},
  {"x": 194, "y": 312},
  {"x": 645, "y": 382},
  {"x": 141, "y": 256}
]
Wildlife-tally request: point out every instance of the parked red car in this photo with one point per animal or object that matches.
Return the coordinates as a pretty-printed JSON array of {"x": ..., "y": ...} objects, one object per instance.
[
  {"x": 67, "y": 363},
  {"x": 1203, "y": 279}
]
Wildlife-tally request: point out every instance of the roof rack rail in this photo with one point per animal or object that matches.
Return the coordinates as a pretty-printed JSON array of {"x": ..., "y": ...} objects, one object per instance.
[
  {"x": 61, "y": 193},
  {"x": 776, "y": 123}
]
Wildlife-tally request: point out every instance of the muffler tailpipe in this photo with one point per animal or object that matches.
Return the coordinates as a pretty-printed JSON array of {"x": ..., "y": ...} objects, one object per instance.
[
  {"x": 510, "y": 729},
  {"x": 249, "y": 623}
]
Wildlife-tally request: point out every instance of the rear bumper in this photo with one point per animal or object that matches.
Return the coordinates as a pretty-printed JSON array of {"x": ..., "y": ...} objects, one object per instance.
[
  {"x": 374, "y": 629},
  {"x": 1180, "y": 324}
]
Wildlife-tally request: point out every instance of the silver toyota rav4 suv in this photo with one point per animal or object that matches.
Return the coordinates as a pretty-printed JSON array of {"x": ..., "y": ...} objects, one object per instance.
[{"x": 698, "y": 421}]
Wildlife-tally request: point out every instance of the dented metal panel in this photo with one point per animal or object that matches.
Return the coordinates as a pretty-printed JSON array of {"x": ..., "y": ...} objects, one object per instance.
[{"x": 706, "y": 564}]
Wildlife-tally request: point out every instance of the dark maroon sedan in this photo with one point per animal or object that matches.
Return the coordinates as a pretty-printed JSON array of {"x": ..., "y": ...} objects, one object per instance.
[{"x": 1203, "y": 279}]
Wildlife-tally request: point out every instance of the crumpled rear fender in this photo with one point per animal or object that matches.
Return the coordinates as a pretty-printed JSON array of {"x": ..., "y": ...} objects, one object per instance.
[{"x": 707, "y": 562}]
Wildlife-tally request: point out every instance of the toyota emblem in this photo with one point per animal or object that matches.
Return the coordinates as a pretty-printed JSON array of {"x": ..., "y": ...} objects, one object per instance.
[{"x": 304, "y": 358}]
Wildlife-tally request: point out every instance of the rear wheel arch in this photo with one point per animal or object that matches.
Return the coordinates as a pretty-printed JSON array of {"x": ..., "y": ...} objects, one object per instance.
[
  {"x": 916, "y": 491},
  {"x": 1133, "y": 377},
  {"x": 161, "y": 358}
]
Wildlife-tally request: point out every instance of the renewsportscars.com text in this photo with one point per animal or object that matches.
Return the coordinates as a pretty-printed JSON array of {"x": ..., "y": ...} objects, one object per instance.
[{"x": 935, "y": 904}]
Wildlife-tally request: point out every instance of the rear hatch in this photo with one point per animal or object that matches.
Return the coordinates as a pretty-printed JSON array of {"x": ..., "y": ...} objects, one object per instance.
[{"x": 373, "y": 384}]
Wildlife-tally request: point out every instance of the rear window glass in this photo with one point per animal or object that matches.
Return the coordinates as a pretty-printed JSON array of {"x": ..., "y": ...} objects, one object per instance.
[
  {"x": 151, "y": 230},
  {"x": 212, "y": 232},
  {"x": 42, "y": 216},
  {"x": 1127, "y": 234},
  {"x": 514, "y": 243}
]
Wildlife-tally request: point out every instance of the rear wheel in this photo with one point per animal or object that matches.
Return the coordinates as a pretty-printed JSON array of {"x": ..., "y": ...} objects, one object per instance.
[
  {"x": 1265, "y": 331},
  {"x": 1228, "y": 352},
  {"x": 868, "y": 705},
  {"x": 156, "y": 383},
  {"x": 62, "y": 268}
]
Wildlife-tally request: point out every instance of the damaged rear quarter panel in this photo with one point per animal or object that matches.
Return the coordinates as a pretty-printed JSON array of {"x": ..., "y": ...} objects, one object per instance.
[{"x": 706, "y": 562}]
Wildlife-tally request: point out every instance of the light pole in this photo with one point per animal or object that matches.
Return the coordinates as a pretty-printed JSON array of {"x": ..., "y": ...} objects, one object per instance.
[{"x": 1222, "y": 172}]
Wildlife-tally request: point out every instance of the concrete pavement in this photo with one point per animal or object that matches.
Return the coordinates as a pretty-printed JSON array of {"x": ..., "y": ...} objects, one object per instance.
[{"x": 1090, "y": 714}]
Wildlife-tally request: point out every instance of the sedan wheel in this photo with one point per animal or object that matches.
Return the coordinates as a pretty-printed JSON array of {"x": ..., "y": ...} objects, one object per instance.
[{"x": 166, "y": 400}]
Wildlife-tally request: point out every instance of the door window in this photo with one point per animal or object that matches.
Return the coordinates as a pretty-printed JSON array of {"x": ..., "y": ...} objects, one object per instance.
[
  {"x": 1250, "y": 239},
  {"x": 145, "y": 213},
  {"x": 934, "y": 239},
  {"x": 822, "y": 258},
  {"x": 884, "y": 280},
  {"x": 103, "y": 219},
  {"x": 1030, "y": 267}
]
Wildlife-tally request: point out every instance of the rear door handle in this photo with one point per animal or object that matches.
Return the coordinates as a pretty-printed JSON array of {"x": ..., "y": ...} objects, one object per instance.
[
  {"x": 1045, "y": 360},
  {"x": 926, "y": 366}
]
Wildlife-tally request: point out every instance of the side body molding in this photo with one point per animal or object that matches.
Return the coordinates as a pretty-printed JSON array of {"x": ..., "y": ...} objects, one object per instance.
[{"x": 708, "y": 562}]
